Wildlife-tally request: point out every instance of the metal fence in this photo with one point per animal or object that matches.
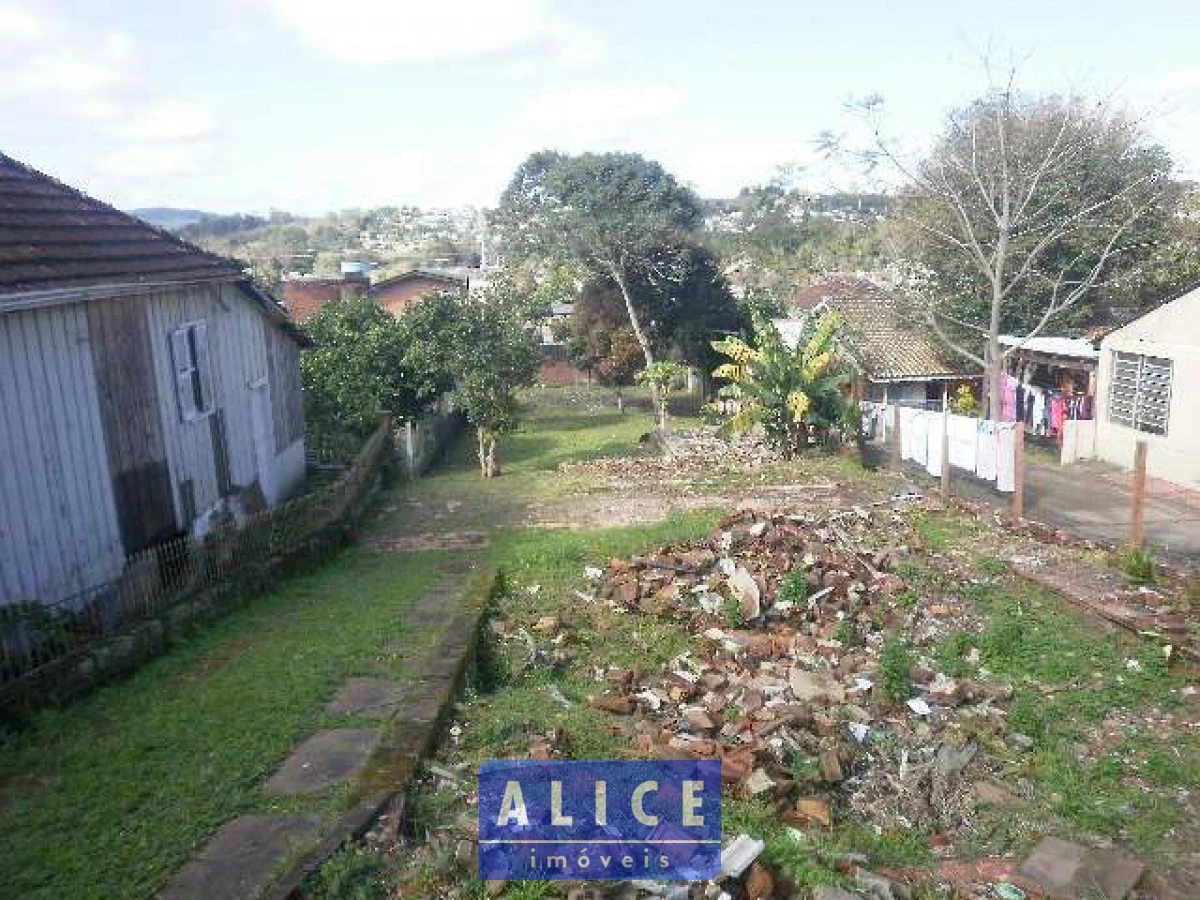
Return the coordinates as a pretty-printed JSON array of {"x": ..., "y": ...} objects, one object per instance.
[{"x": 47, "y": 649}]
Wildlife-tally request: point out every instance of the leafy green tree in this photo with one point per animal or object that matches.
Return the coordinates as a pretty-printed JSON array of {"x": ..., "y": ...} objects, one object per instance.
[
  {"x": 600, "y": 341},
  {"x": 794, "y": 393},
  {"x": 491, "y": 352},
  {"x": 778, "y": 238},
  {"x": 663, "y": 376},
  {"x": 614, "y": 214},
  {"x": 358, "y": 367}
]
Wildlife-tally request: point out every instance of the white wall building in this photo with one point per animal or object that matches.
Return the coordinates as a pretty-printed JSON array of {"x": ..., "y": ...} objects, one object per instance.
[{"x": 1148, "y": 389}]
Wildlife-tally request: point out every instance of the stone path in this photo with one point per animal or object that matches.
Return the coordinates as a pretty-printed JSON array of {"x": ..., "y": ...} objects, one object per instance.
[{"x": 245, "y": 858}]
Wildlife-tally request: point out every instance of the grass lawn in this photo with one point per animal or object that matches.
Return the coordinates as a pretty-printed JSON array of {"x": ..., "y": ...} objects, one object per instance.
[
  {"x": 1110, "y": 757},
  {"x": 111, "y": 796}
]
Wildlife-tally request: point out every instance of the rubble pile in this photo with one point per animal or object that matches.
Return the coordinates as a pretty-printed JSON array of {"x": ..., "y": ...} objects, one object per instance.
[
  {"x": 790, "y": 684},
  {"x": 698, "y": 450}
]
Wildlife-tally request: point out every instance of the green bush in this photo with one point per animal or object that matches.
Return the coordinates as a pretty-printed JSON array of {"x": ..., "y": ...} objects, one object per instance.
[
  {"x": 1138, "y": 566},
  {"x": 895, "y": 669}
]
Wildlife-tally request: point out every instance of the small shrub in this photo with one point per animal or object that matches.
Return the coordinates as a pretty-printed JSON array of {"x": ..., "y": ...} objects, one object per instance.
[
  {"x": 1190, "y": 598},
  {"x": 794, "y": 589},
  {"x": 1138, "y": 566},
  {"x": 350, "y": 874},
  {"x": 895, "y": 669}
]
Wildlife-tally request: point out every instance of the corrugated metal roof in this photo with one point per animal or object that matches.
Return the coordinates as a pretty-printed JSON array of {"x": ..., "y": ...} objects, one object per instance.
[
  {"x": 879, "y": 331},
  {"x": 53, "y": 236},
  {"x": 1077, "y": 348}
]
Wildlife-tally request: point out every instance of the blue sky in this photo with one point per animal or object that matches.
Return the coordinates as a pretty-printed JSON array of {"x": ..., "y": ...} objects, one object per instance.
[{"x": 310, "y": 105}]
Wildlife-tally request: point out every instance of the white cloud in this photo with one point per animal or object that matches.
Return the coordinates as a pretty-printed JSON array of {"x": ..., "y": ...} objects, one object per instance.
[
  {"x": 18, "y": 24},
  {"x": 168, "y": 120},
  {"x": 143, "y": 161},
  {"x": 385, "y": 31},
  {"x": 598, "y": 106}
]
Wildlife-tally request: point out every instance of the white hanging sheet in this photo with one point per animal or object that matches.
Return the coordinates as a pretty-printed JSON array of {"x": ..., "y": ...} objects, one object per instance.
[
  {"x": 933, "y": 462},
  {"x": 985, "y": 456},
  {"x": 964, "y": 442},
  {"x": 920, "y": 436},
  {"x": 1006, "y": 461}
]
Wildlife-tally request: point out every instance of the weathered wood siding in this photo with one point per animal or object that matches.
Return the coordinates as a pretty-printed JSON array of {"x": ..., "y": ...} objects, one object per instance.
[
  {"x": 59, "y": 533},
  {"x": 127, "y": 392},
  {"x": 96, "y": 460},
  {"x": 238, "y": 358},
  {"x": 287, "y": 403}
]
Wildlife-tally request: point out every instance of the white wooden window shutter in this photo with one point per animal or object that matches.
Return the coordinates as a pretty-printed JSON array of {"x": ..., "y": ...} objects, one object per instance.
[
  {"x": 182, "y": 357},
  {"x": 204, "y": 367}
]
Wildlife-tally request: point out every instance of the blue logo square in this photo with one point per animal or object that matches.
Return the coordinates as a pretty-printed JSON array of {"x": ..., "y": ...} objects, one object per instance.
[{"x": 616, "y": 820}]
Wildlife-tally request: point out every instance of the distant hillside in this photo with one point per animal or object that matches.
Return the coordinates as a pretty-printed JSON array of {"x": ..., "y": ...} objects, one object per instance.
[{"x": 169, "y": 217}]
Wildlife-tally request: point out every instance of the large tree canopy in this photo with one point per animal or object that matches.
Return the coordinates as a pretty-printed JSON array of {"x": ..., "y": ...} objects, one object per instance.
[
  {"x": 1026, "y": 207},
  {"x": 361, "y": 365},
  {"x": 617, "y": 215}
]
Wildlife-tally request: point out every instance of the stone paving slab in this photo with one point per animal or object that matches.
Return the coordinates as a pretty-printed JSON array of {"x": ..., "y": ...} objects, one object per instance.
[
  {"x": 1073, "y": 872},
  {"x": 239, "y": 860},
  {"x": 326, "y": 759},
  {"x": 371, "y": 697}
]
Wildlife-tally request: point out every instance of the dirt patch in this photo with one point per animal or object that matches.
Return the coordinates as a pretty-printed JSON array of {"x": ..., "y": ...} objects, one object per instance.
[{"x": 448, "y": 540}]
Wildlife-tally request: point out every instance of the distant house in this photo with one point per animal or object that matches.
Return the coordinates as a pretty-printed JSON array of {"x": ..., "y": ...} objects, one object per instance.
[
  {"x": 398, "y": 293},
  {"x": 306, "y": 295},
  {"x": 1147, "y": 387},
  {"x": 143, "y": 384},
  {"x": 895, "y": 358}
]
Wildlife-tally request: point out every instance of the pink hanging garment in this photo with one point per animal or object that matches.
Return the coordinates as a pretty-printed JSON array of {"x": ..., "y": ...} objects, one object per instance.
[
  {"x": 1008, "y": 399},
  {"x": 1058, "y": 412}
]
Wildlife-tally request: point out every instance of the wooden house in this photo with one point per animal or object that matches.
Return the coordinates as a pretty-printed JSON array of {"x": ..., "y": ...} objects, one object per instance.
[{"x": 144, "y": 386}]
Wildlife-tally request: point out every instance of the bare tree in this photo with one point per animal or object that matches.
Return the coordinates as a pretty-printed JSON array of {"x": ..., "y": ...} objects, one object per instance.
[{"x": 1021, "y": 211}]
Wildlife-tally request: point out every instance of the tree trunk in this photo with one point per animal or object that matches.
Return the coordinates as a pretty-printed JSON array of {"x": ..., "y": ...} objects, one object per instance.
[
  {"x": 493, "y": 467},
  {"x": 487, "y": 453},
  {"x": 636, "y": 325},
  {"x": 620, "y": 400}
]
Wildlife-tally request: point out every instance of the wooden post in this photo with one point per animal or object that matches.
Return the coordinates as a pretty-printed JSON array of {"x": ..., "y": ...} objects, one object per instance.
[
  {"x": 1018, "y": 500},
  {"x": 410, "y": 448},
  {"x": 896, "y": 438},
  {"x": 1138, "y": 526},
  {"x": 945, "y": 451}
]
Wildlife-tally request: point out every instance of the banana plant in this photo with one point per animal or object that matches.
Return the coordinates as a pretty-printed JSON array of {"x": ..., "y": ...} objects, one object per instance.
[{"x": 794, "y": 393}]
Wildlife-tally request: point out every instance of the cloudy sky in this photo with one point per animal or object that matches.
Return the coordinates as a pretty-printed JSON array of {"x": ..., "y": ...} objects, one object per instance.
[{"x": 310, "y": 105}]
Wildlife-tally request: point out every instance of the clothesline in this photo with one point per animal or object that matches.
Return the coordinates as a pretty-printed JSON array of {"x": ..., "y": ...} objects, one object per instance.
[{"x": 983, "y": 447}]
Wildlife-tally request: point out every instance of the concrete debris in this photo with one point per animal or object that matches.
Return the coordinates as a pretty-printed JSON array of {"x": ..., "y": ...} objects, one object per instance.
[
  {"x": 790, "y": 615},
  {"x": 738, "y": 856}
]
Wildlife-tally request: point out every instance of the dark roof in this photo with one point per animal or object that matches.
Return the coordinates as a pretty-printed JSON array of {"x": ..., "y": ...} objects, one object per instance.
[
  {"x": 53, "y": 236},
  {"x": 445, "y": 277},
  {"x": 879, "y": 331}
]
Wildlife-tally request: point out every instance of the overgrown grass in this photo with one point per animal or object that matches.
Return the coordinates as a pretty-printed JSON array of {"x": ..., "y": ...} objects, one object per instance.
[
  {"x": 110, "y": 796},
  {"x": 1070, "y": 675}
]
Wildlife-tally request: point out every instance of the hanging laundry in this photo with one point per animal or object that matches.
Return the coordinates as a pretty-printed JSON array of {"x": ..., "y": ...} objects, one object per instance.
[
  {"x": 907, "y": 432},
  {"x": 985, "y": 456},
  {"x": 920, "y": 436},
  {"x": 1058, "y": 413},
  {"x": 1008, "y": 399},
  {"x": 964, "y": 442},
  {"x": 1037, "y": 416},
  {"x": 1006, "y": 461},
  {"x": 937, "y": 426}
]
